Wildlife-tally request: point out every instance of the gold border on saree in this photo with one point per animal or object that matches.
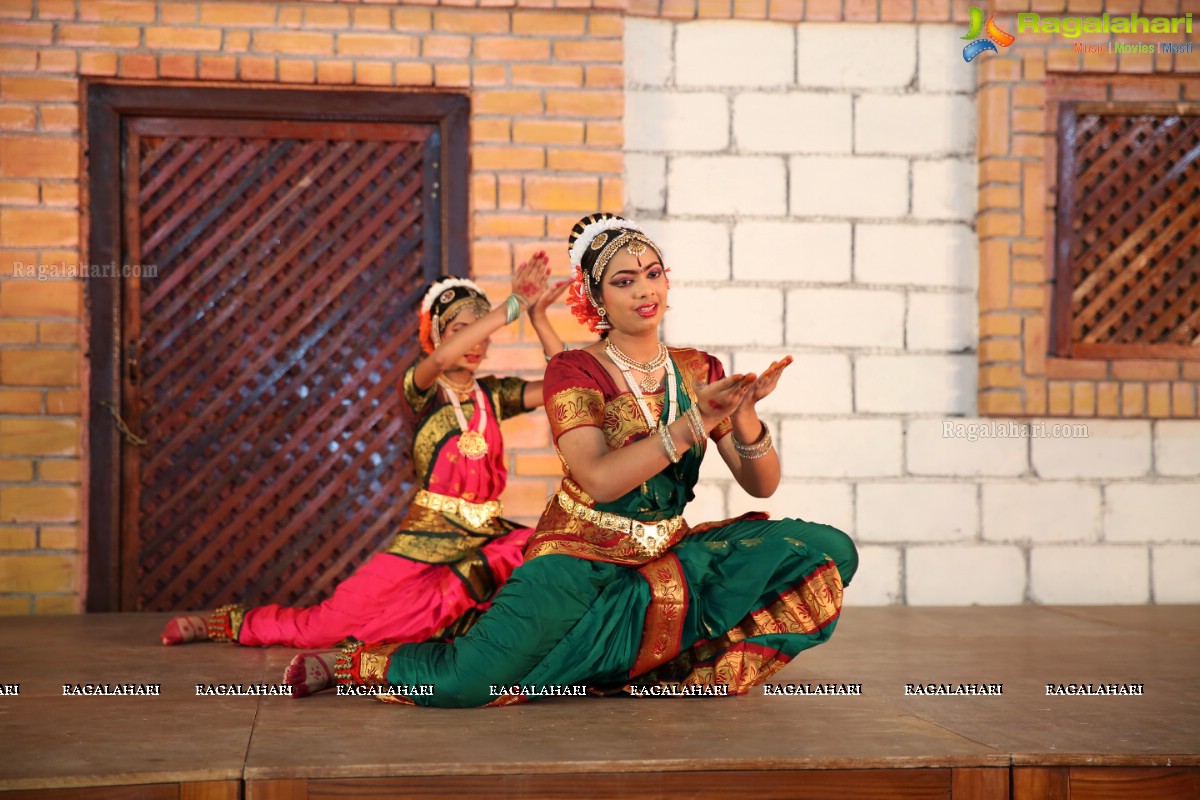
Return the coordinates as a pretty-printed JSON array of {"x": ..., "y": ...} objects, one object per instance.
[
  {"x": 475, "y": 514},
  {"x": 652, "y": 538}
]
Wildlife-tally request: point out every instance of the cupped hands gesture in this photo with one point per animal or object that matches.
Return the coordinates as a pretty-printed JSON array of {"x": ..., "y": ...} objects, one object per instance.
[{"x": 529, "y": 279}]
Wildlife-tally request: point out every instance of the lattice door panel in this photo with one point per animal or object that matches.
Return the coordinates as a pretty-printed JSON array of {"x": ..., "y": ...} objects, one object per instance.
[
  {"x": 1129, "y": 235},
  {"x": 268, "y": 351}
]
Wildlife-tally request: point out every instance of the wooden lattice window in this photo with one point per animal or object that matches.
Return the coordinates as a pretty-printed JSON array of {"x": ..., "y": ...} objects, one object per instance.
[
  {"x": 290, "y": 235},
  {"x": 1128, "y": 232}
]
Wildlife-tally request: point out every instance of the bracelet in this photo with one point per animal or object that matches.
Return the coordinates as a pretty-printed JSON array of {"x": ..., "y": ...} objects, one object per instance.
[
  {"x": 756, "y": 449},
  {"x": 512, "y": 308},
  {"x": 696, "y": 424},
  {"x": 668, "y": 444}
]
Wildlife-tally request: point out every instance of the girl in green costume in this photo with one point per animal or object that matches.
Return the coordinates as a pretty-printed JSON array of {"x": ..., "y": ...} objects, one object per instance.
[{"x": 617, "y": 590}]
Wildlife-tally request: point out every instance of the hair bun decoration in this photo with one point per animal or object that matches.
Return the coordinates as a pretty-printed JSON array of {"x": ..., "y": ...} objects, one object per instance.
[{"x": 592, "y": 226}]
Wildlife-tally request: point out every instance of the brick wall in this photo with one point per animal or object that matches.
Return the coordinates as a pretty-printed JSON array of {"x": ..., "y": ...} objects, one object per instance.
[
  {"x": 820, "y": 203},
  {"x": 546, "y": 88}
]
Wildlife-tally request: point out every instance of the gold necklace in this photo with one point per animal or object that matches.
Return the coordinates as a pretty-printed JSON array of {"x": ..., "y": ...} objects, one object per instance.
[
  {"x": 471, "y": 443},
  {"x": 649, "y": 383},
  {"x": 461, "y": 388},
  {"x": 669, "y": 400}
]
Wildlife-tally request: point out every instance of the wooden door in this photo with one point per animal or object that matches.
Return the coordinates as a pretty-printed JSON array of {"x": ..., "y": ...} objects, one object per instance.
[{"x": 254, "y": 353}]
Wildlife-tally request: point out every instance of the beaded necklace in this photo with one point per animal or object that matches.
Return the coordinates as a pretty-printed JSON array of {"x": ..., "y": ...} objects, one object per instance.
[
  {"x": 470, "y": 442},
  {"x": 636, "y": 390}
]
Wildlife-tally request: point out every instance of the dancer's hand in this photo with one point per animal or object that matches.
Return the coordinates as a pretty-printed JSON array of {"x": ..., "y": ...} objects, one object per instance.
[
  {"x": 763, "y": 385},
  {"x": 529, "y": 280},
  {"x": 718, "y": 400}
]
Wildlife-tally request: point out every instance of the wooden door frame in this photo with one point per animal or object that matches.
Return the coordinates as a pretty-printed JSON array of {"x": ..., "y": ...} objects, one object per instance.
[{"x": 107, "y": 103}]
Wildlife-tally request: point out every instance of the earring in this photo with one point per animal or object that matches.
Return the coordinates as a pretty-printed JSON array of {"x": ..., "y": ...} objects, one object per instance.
[{"x": 603, "y": 324}]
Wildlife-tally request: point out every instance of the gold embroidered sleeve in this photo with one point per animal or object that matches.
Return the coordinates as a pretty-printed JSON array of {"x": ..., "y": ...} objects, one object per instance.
[
  {"x": 575, "y": 407},
  {"x": 510, "y": 397},
  {"x": 416, "y": 398}
]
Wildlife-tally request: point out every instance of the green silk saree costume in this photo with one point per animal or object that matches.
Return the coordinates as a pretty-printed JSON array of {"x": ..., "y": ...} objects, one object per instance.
[{"x": 723, "y": 604}]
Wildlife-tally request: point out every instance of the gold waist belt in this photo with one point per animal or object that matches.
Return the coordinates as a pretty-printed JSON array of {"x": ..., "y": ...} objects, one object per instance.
[
  {"x": 652, "y": 538},
  {"x": 475, "y": 514}
]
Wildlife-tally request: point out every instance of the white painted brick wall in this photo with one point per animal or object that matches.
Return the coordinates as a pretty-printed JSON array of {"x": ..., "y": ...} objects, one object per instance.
[
  {"x": 922, "y": 255},
  {"x": 917, "y": 512},
  {"x": 673, "y": 122},
  {"x": 915, "y": 384},
  {"x": 1177, "y": 448},
  {"x": 704, "y": 317},
  {"x": 1152, "y": 512},
  {"x": 814, "y": 383},
  {"x": 1041, "y": 512},
  {"x": 845, "y": 317},
  {"x": 855, "y": 187},
  {"x": 1112, "y": 449},
  {"x": 927, "y": 125},
  {"x": 929, "y": 451},
  {"x": 694, "y": 250},
  {"x": 1101, "y": 575},
  {"x": 959, "y": 575},
  {"x": 645, "y": 181},
  {"x": 734, "y": 53},
  {"x": 721, "y": 185},
  {"x": 801, "y": 122},
  {"x": 814, "y": 189},
  {"x": 941, "y": 321},
  {"x": 796, "y": 251},
  {"x": 1176, "y": 571},
  {"x": 945, "y": 189},
  {"x": 832, "y": 56},
  {"x": 840, "y": 448}
]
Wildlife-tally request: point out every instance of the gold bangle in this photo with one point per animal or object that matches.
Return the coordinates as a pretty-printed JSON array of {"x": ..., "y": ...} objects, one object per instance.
[
  {"x": 668, "y": 444},
  {"x": 756, "y": 449},
  {"x": 696, "y": 423}
]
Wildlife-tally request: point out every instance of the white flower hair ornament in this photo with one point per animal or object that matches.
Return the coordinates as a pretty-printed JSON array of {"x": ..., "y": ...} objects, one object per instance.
[
  {"x": 441, "y": 286},
  {"x": 593, "y": 230}
]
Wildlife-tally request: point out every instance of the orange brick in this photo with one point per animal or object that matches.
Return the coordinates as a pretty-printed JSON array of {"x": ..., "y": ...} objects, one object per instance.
[
  {"x": 493, "y": 258},
  {"x": 504, "y": 226},
  {"x": 297, "y": 71},
  {"x": 60, "y": 118},
  {"x": 1133, "y": 399},
  {"x": 372, "y": 18},
  {"x": 1145, "y": 370},
  {"x": 56, "y": 9},
  {"x": 378, "y": 45},
  {"x": 14, "y": 60},
  {"x": 511, "y": 49},
  {"x": 60, "y": 298},
  {"x": 680, "y": 9},
  {"x": 19, "y": 87},
  {"x": 1028, "y": 146},
  {"x": 605, "y": 76},
  {"x": 414, "y": 74},
  {"x": 528, "y": 431},
  {"x": 998, "y": 223},
  {"x": 506, "y": 102},
  {"x": 994, "y": 276},
  {"x": 999, "y": 196},
  {"x": 546, "y": 75},
  {"x": 1191, "y": 370},
  {"x": 33, "y": 227},
  {"x": 750, "y": 9},
  {"x": 39, "y": 367},
  {"x": 585, "y": 104},
  {"x": 239, "y": 15},
  {"x": 605, "y": 163},
  {"x": 177, "y": 66},
  {"x": 1108, "y": 399},
  {"x": 183, "y": 39},
  {"x": 179, "y": 13},
  {"x": 335, "y": 71},
  {"x": 290, "y": 17},
  {"x": 999, "y": 376},
  {"x": 446, "y": 47},
  {"x": 1000, "y": 403},
  {"x": 411, "y": 19},
  {"x": 490, "y": 129},
  {"x": 1077, "y": 368},
  {"x": 36, "y": 573},
  {"x": 110, "y": 11},
  {"x": 56, "y": 604},
  {"x": 507, "y": 158},
  {"x": 374, "y": 73},
  {"x": 256, "y": 68},
  {"x": 16, "y": 538},
  {"x": 19, "y": 193},
  {"x": 780, "y": 10},
  {"x": 544, "y": 131},
  {"x": 471, "y": 21},
  {"x": 606, "y": 26},
  {"x": 545, "y": 465},
  {"x": 1029, "y": 96},
  {"x": 18, "y": 332},
  {"x": 994, "y": 350},
  {"x": 999, "y": 70},
  {"x": 548, "y": 23},
  {"x": 17, "y": 118},
  {"x": 562, "y": 194},
  {"x": 58, "y": 332},
  {"x": 59, "y": 537},
  {"x": 1083, "y": 399},
  {"x": 602, "y": 134},
  {"x": 1158, "y": 399},
  {"x": 1028, "y": 121},
  {"x": 57, "y": 61},
  {"x": 26, "y": 33},
  {"x": 18, "y": 401},
  {"x": 489, "y": 75},
  {"x": 1028, "y": 270},
  {"x": 15, "y": 469},
  {"x": 294, "y": 43},
  {"x": 315, "y": 17},
  {"x": 999, "y": 170},
  {"x": 1059, "y": 396},
  {"x": 15, "y": 606},
  {"x": 218, "y": 68},
  {"x": 17, "y": 9},
  {"x": 456, "y": 75},
  {"x": 99, "y": 35},
  {"x": 525, "y": 500},
  {"x": 994, "y": 121},
  {"x": 60, "y": 471},
  {"x": 1183, "y": 399},
  {"x": 590, "y": 51},
  {"x": 1135, "y": 62},
  {"x": 67, "y": 401},
  {"x": 48, "y": 437},
  {"x": 1030, "y": 297},
  {"x": 511, "y": 192},
  {"x": 713, "y": 9},
  {"x": 138, "y": 65},
  {"x": 999, "y": 325},
  {"x": 236, "y": 41},
  {"x": 483, "y": 194},
  {"x": 1145, "y": 92}
]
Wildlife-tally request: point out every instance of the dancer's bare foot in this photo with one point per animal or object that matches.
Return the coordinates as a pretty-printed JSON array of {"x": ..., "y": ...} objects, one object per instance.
[
  {"x": 310, "y": 673},
  {"x": 182, "y": 630}
]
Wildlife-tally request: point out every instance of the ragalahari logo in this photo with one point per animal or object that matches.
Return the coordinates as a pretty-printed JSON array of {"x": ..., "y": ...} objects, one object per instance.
[{"x": 995, "y": 36}]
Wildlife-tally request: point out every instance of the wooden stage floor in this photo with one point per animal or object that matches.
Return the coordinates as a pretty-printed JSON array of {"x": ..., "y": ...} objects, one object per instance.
[{"x": 881, "y": 744}]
